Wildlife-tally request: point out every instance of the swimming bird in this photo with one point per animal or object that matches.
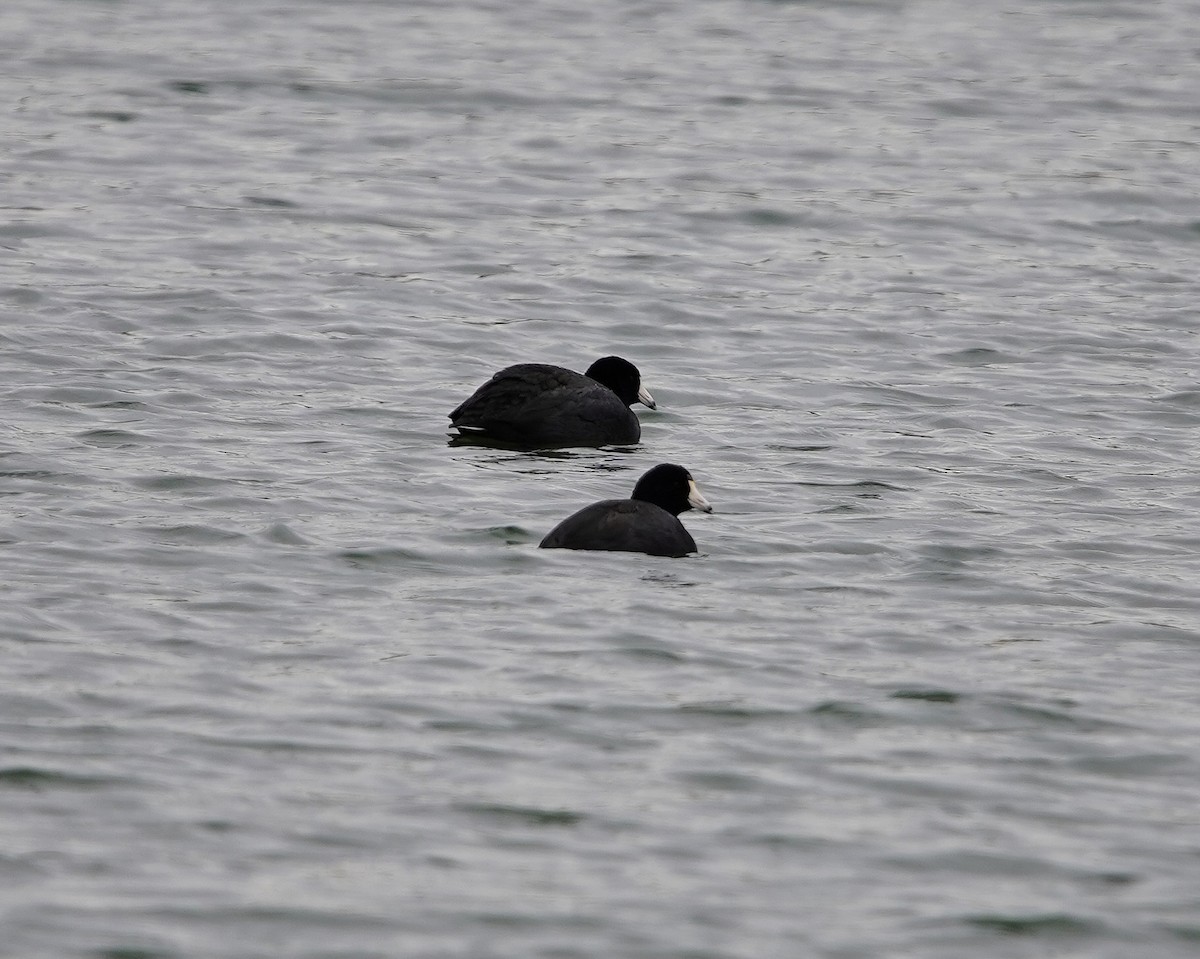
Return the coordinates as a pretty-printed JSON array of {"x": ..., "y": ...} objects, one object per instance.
[
  {"x": 647, "y": 522},
  {"x": 538, "y": 406}
]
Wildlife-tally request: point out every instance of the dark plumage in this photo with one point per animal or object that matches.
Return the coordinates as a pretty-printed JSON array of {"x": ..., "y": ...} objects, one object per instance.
[
  {"x": 536, "y": 405},
  {"x": 647, "y": 522}
]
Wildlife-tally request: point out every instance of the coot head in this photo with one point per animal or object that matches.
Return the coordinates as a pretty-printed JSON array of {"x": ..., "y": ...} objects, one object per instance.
[
  {"x": 672, "y": 488},
  {"x": 623, "y": 378}
]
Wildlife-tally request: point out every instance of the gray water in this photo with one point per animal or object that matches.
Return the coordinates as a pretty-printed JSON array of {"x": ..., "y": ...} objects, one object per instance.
[{"x": 915, "y": 285}]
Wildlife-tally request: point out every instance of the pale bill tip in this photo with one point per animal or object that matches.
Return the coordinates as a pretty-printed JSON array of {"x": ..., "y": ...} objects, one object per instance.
[
  {"x": 696, "y": 498},
  {"x": 645, "y": 398}
]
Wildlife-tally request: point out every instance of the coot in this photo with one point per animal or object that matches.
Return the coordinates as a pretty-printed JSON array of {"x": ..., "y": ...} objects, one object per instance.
[
  {"x": 536, "y": 405},
  {"x": 645, "y": 523}
]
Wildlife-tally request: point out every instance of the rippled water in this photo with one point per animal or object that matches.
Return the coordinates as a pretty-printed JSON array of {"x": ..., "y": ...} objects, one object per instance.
[{"x": 915, "y": 286}]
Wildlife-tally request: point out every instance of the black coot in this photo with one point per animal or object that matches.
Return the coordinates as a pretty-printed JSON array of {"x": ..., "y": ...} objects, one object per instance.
[
  {"x": 538, "y": 406},
  {"x": 645, "y": 523}
]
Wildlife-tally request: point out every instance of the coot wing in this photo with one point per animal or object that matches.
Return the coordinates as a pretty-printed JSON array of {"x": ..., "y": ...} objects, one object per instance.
[{"x": 509, "y": 391}]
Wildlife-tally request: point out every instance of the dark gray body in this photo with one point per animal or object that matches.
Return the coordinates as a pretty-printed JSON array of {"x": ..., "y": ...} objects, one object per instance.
[
  {"x": 627, "y": 525},
  {"x": 538, "y": 405}
]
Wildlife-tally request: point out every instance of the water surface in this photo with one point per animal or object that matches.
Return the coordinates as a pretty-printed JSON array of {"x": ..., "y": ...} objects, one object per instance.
[{"x": 914, "y": 285}]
